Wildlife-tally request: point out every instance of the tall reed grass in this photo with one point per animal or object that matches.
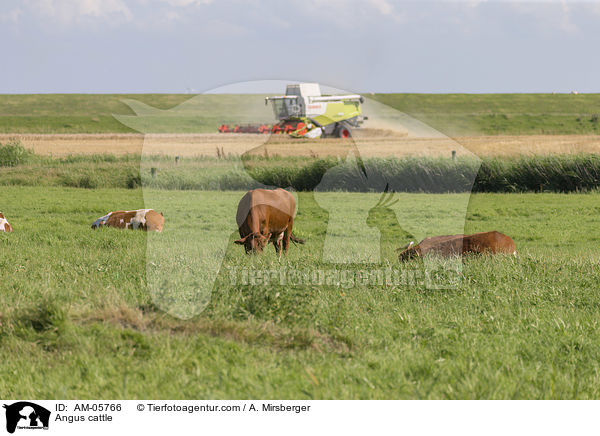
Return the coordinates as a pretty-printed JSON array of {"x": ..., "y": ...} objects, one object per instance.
[
  {"x": 558, "y": 173},
  {"x": 551, "y": 173}
]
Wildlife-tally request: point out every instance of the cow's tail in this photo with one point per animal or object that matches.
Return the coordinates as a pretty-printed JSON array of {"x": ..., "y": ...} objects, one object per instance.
[{"x": 296, "y": 240}]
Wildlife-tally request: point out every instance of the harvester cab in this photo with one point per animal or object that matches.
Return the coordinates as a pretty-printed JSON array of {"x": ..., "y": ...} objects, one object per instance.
[{"x": 304, "y": 112}]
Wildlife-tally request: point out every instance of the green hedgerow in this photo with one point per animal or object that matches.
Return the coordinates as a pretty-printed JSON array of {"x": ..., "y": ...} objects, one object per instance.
[{"x": 13, "y": 154}]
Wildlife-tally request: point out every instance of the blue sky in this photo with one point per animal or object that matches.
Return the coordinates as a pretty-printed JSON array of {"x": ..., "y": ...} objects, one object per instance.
[{"x": 364, "y": 46}]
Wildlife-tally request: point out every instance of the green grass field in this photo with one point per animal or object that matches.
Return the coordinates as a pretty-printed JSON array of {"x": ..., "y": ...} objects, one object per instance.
[
  {"x": 73, "y": 113},
  {"x": 501, "y": 114},
  {"x": 452, "y": 114},
  {"x": 76, "y": 320}
]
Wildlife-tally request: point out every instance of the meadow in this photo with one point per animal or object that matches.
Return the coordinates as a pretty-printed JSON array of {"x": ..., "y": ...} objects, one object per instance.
[
  {"x": 501, "y": 114},
  {"x": 94, "y": 113},
  {"x": 77, "y": 320},
  {"x": 452, "y": 114}
]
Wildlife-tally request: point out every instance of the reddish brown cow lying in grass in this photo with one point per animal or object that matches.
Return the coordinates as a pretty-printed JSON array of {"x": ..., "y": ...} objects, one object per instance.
[
  {"x": 4, "y": 225},
  {"x": 143, "y": 219},
  {"x": 265, "y": 215},
  {"x": 453, "y": 245}
]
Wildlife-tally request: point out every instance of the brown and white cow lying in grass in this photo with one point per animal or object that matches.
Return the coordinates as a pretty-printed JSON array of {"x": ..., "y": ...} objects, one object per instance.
[
  {"x": 4, "y": 225},
  {"x": 457, "y": 245},
  {"x": 143, "y": 219}
]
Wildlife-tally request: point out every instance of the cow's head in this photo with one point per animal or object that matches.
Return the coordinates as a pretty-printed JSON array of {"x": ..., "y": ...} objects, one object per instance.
[
  {"x": 410, "y": 251},
  {"x": 254, "y": 242}
]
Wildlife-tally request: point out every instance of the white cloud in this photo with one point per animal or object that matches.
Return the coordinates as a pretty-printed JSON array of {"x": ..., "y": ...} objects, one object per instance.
[
  {"x": 172, "y": 16},
  {"x": 180, "y": 3},
  {"x": 552, "y": 15},
  {"x": 349, "y": 14},
  {"x": 11, "y": 16},
  {"x": 383, "y": 6},
  {"x": 565, "y": 23},
  {"x": 68, "y": 11}
]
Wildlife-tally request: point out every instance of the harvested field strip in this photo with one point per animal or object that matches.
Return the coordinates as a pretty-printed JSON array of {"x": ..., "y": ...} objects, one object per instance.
[{"x": 371, "y": 143}]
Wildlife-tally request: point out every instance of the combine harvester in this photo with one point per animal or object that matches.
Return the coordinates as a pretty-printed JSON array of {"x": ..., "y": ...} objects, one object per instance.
[{"x": 304, "y": 113}]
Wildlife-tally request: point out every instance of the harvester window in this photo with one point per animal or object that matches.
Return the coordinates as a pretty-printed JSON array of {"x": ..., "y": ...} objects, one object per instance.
[{"x": 286, "y": 107}]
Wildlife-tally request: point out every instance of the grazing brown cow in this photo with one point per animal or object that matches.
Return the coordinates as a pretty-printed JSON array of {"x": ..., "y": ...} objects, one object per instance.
[
  {"x": 452, "y": 245},
  {"x": 265, "y": 215},
  {"x": 4, "y": 225},
  {"x": 143, "y": 219}
]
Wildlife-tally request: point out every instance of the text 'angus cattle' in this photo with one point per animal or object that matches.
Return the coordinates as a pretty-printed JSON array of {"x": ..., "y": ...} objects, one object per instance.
[
  {"x": 265, "y": 215},
  {"x": 4, "y": 225},
  {"x": 457, "y": 245},
  {"x": 142, "y": 219}
]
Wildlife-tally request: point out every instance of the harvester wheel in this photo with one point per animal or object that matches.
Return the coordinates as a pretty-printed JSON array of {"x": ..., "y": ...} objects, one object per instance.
[{"x": 343, "y": 131}]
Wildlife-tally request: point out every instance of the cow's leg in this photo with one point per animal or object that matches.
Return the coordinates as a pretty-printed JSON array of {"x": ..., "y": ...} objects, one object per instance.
[
  {"x": 278, "y": 242},
  {"x": 264, "y": 230},
  {"x": 287, "y": 234}
]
